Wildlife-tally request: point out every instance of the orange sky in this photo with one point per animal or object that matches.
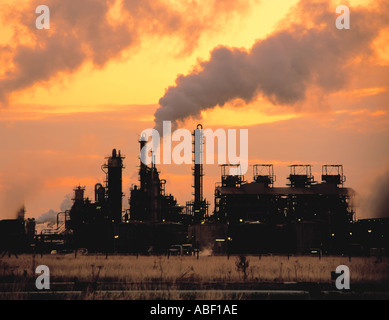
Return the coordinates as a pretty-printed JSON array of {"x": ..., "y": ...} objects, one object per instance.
[{"x": 57, "y": 128}]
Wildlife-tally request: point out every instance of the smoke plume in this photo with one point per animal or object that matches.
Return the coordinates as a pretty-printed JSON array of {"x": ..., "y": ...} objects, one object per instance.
[
  {"x": 50, "y": 216},
  {"x": 96, "y": 32},
  {"x": 47, "y": 217},
  {"x": 306, "y": 52},
  {"x": 376, "y": 204},
  {"x": 16, "y": 188}
]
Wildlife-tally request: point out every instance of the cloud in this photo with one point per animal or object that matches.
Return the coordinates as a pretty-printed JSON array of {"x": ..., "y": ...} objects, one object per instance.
[
  {"x": 308, "y": 54},
  {"x": 374, "y": 202},
  {"x": 51, "y": 215},
  {"x": 380, "y": 198},
  {"x": 66, "y": 203},
  {"x": 98, "y": 31},
  {"x": 16, "y": 187}
]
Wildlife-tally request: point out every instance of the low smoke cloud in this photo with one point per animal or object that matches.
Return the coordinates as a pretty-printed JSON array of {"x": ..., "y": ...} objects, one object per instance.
[
  {"x": 47, "y": 217},
  {"x": 377, "y": 204},
  {"x": 307, "y": 52},
  {"x": 67, "y": 203},
  {"x": 50, "y": 217},
  {"x": 16, "y": 188},
  {"x": 98, "y": 31}
]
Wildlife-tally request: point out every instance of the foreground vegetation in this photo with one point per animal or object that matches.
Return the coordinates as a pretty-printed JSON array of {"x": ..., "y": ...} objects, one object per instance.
[
  {"x": 127, "y": 268},
  {"x": 176, "y": 277}
]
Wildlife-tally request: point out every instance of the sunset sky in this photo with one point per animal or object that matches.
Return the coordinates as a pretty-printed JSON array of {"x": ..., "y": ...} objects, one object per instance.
[{"x": 306, "y": 91}]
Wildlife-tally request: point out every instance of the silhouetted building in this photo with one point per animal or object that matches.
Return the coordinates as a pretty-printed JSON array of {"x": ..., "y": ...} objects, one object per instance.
[
  {"x": 198, "y": 207},
  {"x": 297, "y": 218},
  {"x": 249, "y": 217},
  {"x": 149, "y": 201}
]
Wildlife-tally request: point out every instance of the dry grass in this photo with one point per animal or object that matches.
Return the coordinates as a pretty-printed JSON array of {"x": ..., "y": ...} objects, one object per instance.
[{"x": 217, "y": 269}]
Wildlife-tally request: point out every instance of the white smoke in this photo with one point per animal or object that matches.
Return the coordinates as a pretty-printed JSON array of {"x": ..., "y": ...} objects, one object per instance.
[
  {"x": 309, "y": 52},
  {"x": 50, "y": 217}
]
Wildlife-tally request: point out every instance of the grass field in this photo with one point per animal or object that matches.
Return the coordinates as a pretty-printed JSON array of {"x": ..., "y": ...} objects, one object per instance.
[{"x": 161, "y": 272}]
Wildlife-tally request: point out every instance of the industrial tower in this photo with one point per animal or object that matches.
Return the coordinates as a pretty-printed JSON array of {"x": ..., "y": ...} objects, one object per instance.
[
  {"x": 198, "y": 208},
  {"x": 115, "y": 167}
]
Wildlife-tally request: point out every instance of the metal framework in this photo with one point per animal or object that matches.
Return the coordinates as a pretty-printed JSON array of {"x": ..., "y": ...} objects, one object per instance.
[{"x": 264, "y": 173}]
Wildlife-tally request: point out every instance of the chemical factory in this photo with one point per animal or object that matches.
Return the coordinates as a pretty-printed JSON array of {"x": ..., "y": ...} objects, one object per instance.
[{"x": 249, "y": 217}]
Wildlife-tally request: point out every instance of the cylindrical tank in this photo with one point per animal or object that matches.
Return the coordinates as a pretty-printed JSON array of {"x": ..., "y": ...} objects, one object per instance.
[
  {"x": 198, "y": 163},
  {"x": 115, "y": 167}
]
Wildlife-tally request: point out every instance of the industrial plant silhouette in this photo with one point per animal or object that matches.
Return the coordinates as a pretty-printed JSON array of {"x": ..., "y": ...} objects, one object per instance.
[{"x": 253, "y": 217}]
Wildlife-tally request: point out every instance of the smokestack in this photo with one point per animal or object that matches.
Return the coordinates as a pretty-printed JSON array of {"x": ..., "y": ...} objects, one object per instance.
[
  {"x": 143, "y": 166},
  {"x": 199, "y": 206},
  {"x": 114, "y": 185},
  {"x": 198, "y": 165},
  {"x": 79, "y": 194}
]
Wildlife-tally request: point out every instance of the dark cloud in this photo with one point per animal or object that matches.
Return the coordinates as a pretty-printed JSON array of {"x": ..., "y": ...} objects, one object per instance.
[{"x": 88, "y": 31}]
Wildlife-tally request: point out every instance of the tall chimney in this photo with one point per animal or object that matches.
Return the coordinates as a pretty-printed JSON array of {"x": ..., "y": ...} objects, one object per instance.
[
  {"x": 114, "y": 185},
  {"x": 199, "y": 204}
]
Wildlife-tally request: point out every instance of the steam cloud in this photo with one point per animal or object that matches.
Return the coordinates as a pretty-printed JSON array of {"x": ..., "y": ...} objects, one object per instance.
[
  {"x": 377, "y": 204},
  {"x": 98, "y": 31},
  {"x": 51, "y": 215},
  {"x": 16, "y": 188},
  {"x": 308, "y": 52}
]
